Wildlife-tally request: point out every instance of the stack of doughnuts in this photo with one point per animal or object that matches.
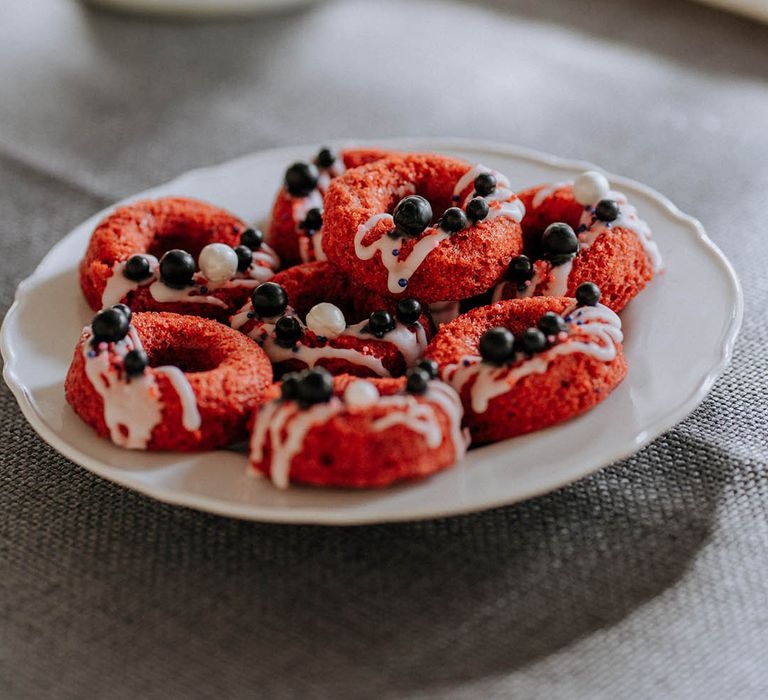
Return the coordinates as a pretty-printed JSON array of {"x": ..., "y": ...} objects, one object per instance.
[{"x": 399, "y": 308}]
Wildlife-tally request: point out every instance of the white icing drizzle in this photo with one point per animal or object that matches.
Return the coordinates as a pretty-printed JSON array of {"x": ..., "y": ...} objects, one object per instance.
[
  {"x": 119, "y": 286},
  {"x": 627, "y": 219},
  {"x": 163, "y": 293},
  {"x": 548, "y": 191},
  {"x": 599, "y": 322},
  {"x": 410, "y": 343},
  {"x": 399, "y": 270},
  {"x": 502, "y": 201},
  {"x": 286, "y": 425},
  {"x": 132, "y": 408}
]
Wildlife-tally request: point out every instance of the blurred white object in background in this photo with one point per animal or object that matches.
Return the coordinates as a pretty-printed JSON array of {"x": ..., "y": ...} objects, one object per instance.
[
  {"x": 197, "y": 8},
  {"x": 757, "y": 9}
]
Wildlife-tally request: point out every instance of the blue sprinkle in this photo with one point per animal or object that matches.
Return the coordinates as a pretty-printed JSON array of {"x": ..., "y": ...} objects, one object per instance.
[
  {"x": 396, "y": 252},
  {"x": 91, "y": 353},
  {"x": 579, "y": 323},
  {"x": 587, "y": 207},
  {"x": 251, "y": 314},
  {"x": 568, "y": 319},
  {"x": 455, "y": 198},
  {"x": 295, "y": 348},
  {"x": 583, "y": 227},
  {"x": 466, "y": 363},
  {"x": 607, "y": 225},
  {"x": 322, "y": 339},
  {"x": 402, "y": 283},
  {"x": 204, "y": 290}
]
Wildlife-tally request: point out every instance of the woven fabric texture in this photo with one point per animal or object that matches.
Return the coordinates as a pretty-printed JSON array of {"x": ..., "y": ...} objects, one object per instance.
[{"x": 646, "y": 580}]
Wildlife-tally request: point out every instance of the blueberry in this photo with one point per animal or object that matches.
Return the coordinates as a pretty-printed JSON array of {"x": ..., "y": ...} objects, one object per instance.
[
  {"x": 109, "y": 326},
  {"x": 325, "y": 158},
  {"x": 137, "y": 268},
  {"x": 408, "y": 311},
  {"x": 497, "y": 345},
  {"x": 417, "y": 380},
  {"x": 588, "y": 294},
  {"x": 177, "y": 268},
  {"x": 477, "y": 209},
  {"x": 485, "y": 184},
  {"x": 269, "y": 300},
  {"x": 252, "y": 238},
  {"x": 244, "y": 257},
  {"x": 520, "y": 269},
  {"x": 380, "y": 322},
  {"x": 315, "y": 386},
  {"x": 412, "y": 215},
  {"x": 289, "y": 388},
  {"x": 313, "y": 220},
  {"x": 301, "y": 179},
  {"x": 532, "y": 340},
  {"x": 429, "y": 366},
  {"x": 288, "y": 331},
  {"x": 135, "y": 362},
  {"x": 453, "y": 220},
  {"x": 552, "y": 324},
  {"x": 124, "y": 309},
  {"x": 607, "y": 210},
  {"x": 560, "y": 239}
]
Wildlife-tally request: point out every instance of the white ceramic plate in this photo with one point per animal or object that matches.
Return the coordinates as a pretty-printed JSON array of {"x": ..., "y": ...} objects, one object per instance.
[{"x": 679, "y": 336}]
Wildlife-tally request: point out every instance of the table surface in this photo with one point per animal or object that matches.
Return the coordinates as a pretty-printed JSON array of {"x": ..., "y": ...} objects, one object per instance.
[{"x": 646, "y": 580}]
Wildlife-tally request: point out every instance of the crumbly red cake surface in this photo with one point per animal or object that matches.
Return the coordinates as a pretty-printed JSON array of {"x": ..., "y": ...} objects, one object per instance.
[
  {"x": 156, "y": 226},
  {"x": 616, "y": 261},
  {"x": 467, "y": 263},
  {"x": 228, "y": 373},
  {"x": 345, "y": 451},
  {"x": 572, "y": 383},
  {"x": 284, "y": 234}
]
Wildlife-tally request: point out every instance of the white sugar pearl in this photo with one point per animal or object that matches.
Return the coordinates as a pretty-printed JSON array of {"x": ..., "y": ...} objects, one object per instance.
[
  {"x": 590, "y": 187},
  {"x": 218, "y": 262},
  {"x": 361, "y": 394},
  {"x": 326, "y": 319}
]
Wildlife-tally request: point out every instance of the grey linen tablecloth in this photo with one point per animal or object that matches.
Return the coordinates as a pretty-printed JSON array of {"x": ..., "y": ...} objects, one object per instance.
[{"x": 647, "y": 580}]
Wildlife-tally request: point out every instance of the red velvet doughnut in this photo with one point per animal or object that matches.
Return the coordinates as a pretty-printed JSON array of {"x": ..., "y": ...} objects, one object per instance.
[{"x": 215, "y": 374}]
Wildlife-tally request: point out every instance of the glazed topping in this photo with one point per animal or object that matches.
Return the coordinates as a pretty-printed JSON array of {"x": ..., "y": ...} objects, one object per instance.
[
  {"x": 269, "y": 300},
  {"x": 560, "y": 239},
  {"x": 326, "y": 320},
  {"x": 177, "y": 267},
  {"x": 244, "y": 257},
  {"x": 301, "y": 179},
  {"x": 497, "y": 345},
  {"x": 315, "y": 386},
  {"x": 453, "y": 220},
  {"x": 597, "y": 332},
  {"x": 289, "y": 387},
  {"x": 325, "y": 158},
  {"x": 520, "y": 269},
  {"x": 485, "y": 184},
  {"x": 417, "y": 381},
  {"x": 590, "y": 187},
  {"x": 552, "y": 324},
  {"x": 477, "y": 209},
  {"x": 124, "y": 309},
  {"x": 135, "y": 362},
  {"x": 252, "y": 238},
  {"x": 361, "y": 394},
  {"x": 408, "y": 311},
  {"x": 137, "y": 268},
  {"x": 288, "y": 331},
  {"x": 130, "y": 395},
  {"x": 313, "y": 221},
  {"x": 588, "y": 294},
  {"x": 218, "y": 262},
  {"x": 429, "y": 366},
  {"x": 110, "y": 325},
  {"x": 607, "y": 210},
  {"x": 531, "y": 341},
  {"x": 412, "y": 216},
  {"x": 381, "y": 323}
]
